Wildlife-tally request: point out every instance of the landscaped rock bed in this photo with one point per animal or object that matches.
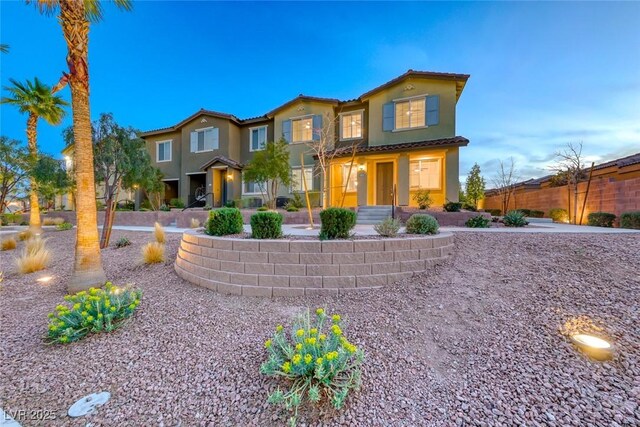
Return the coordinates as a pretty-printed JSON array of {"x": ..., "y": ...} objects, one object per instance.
[{"x": 474, "y": 342}]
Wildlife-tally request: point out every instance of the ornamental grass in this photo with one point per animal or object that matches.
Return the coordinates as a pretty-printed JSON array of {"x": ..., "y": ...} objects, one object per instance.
[
  {"x": 158, "y": 233},
  {"x": 35, "y": 257},
  {"x": 316, "y": 359},
  {"x": 195, "y": 223},
  {"x": 25, "y": 235},
  {"x": 8, "y": 244},
  {"x": 93, "y": 311},
  {"x": 153, "y": 253},
  {"x": 53, "y": 221}
]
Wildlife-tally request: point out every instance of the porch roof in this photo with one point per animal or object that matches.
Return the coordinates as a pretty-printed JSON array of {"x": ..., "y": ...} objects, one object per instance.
[
  {"x": 456, "y": 141},
  {"x": 224, "y": 160}
]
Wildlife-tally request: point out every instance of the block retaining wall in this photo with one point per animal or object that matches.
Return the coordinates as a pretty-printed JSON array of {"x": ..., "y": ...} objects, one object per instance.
[{"x": 304, "y": 267}]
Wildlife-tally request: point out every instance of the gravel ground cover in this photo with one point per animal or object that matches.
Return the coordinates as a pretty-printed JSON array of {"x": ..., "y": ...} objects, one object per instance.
[{"x": 475, "y": 342}]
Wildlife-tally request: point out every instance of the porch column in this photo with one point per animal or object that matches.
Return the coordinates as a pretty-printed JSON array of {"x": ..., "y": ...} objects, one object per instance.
[
  {"x": 452, "y": 174},
  {"x": 362, "y": 184},
  {"x": 402, "y": 185},
  {"x": 209, "y": 187}
]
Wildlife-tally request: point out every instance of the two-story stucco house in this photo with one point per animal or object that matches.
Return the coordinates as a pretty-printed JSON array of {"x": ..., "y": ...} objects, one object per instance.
[{"x": 403, "y": 134}]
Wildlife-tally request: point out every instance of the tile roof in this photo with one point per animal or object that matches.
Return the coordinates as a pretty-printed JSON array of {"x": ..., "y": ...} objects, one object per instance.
[
  {"x": 462, "y": 78},
  {"x": 224, "y": 160},
  {"x": 188, "y": 119},
  {"x": 302, "y": 97},
  {"x": 455, "y": 141}
]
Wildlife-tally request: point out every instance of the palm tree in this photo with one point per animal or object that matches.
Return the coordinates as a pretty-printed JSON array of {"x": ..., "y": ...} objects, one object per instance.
[
  {"x": 36, "y": 100},
  {"x": 75, "y": 17}
]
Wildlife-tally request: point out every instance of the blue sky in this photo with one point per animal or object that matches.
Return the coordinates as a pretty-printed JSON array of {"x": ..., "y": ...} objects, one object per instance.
[{"x": 542, "y": 74}]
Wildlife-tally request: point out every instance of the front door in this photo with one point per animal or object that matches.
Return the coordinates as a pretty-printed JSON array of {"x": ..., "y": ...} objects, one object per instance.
[{"x": 384, "y": 183}]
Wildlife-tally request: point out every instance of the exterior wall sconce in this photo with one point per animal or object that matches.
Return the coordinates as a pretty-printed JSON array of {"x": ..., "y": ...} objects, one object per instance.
[
  {"x": 229, "y": 177},
  {"x": 362, "y": 168}
]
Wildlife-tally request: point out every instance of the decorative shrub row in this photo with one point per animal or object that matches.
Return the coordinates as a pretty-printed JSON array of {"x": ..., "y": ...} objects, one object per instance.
[
  {"x": 98, "y": 310},
  {"x": 514, "y": 219},
  {"x": 422, "y": 224},
  {"x": 266, "y": 225},
  {"x": 531, "y": 213},
  {"x": 478, "y": 222},
  {"x": 559, "y": 215},
  {"x": 317, "y": 360},
  {"x": 224, "y": 221},
  {"x": 630, "y": 220},
  {"x": 337, "y": 223},
  {"x": 601, "y": 219}
]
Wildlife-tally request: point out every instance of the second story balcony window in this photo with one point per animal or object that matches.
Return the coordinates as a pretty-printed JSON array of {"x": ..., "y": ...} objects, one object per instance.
[
  {"x": 302, "y": 129},
  {"x": 258, "y": 137},
  {"x": 351, "y": 125},
  {"x": 204, "y": 140}
]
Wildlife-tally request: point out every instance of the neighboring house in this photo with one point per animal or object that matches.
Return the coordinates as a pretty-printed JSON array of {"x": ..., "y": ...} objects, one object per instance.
[
  {"x": 614, "y": 188},
  {"x": 403, "y": 132},
  {"x": 67, "y": 201}
]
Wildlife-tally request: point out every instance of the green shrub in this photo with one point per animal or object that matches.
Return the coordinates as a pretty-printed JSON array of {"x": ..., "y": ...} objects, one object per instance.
[
  {"x": 423, "y": 199},
  {"x": 559, "y": 215},
  {"x": 469, "y": 207},
  {"x": 388, "y": 227},
  {"x": 164, "y": 208},
  {"x": 177, "y": 203},
  {"x": 98, "y": 310},
  {"x": 125, "y": 205},
  {"x": 514, "y": 219},
  {"x": 494, "y": 212},
  {"x": 24, "y": 223},
  {"x": 4, "y": 220},
  {"x": 537, "y": 214},
  {"x": 230, "y": 204},
  {"x": 296, "y": 201},
  {"x": 525, "y": 212},
  {"x": 337, "y": 223},
  {"x": 266, "y": 225},
  {"x": 316, "y": 358},
  {"x": 601, "y": 219},
  {"x": 291, "y": 209},
  {"x": 452, "y": 207},
  {"x": 263, "y": 208},
  {"x": 478, "y": 222},
  {"x": 122, "y": 242},
  {"x": 146, "y": 205},
  {"x": 64, "y": 226},
  {"x": 422, "y": 224},
  {"x": 630, "y": 220},
  {"x": 12, "y": 219},
  {"x": 224, "y": 221}
]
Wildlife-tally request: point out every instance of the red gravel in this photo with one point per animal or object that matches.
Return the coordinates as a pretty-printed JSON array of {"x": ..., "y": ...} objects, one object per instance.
[{"x": 475, "y": 342}]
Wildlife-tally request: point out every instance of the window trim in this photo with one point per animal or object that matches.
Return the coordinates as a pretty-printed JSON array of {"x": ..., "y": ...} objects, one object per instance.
[
  {"x": 348, "y": 113},
  {"x": 311, "y": 188},
  {"x": 354, "y": 174},
  {"x": 255, "y": 193},
  {"x": 408, "y": 99},
  {"x": 294, "y": 119},
  {"x": 440, "y": 177},
  {"x": 266, "y": 133},
  {"x": 170, "y": 141},
  {"x": 202, "y": 130}
]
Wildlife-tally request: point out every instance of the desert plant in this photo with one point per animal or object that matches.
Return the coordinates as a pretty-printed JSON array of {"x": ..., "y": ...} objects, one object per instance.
[
  {"x": 388, "y": 227},
  {"x": 337, "y": 223},
  {"x": 164, "y": 208},
  {"x": 514, "y": 219},
  {"x": 478, "y": 222},
  {"x": 423, "y": 199},
  {"x": 266, "y": 225},
  {"x": 159, "y": 233},
  {"x": 630, "y": 220},
  {"x": 601, "y": 219},
  {"x": 64, "y": 226},
  {"x": 296, "y": 201},
  {"x": 263, "y": 208},
  {"x": 290, "y": 208},
  {"x": 316, "y": 358},
  {"x": 177, "y": 203},
  {"x": 152, "y": 253},
  {"x": 25, "y": 235},
  {"x": 92, "y": 311},
  {"x": 8, "y": 244},
  {"x": 35, "y": 257},
  {"x": 53, "y": 221},
  {"x": 559, "y": 215},
  {"x": 525, "y": 212},
  {"x": 122, "y": 242},
  {"x": 422, "y": 224},
  {"x": 452, "y": 206},
  {"x": 194, "y": 223},
  {"x": 224, "y": 221}
]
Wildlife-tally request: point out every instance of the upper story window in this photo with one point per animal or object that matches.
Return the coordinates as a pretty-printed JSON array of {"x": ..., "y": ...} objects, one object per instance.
[
  {"x": 297, "y": 177},
  {"x": 163, "y": 151},
  {"x": 258, "y": 136},
  {"x": 349, "y": 180},
  {"x": 204, "y": 140},
  {"x": 410, "y": 113},
  {"x": 425, "y": 174},
  {"x": 302, "y": 129},
  {"x": 351, "y": 125}
]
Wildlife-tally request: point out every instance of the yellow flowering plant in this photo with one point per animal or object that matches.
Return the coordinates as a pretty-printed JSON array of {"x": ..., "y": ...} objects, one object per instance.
[
  {"x": 316, "y": 358},
  {"x": 95, "y": 310}
]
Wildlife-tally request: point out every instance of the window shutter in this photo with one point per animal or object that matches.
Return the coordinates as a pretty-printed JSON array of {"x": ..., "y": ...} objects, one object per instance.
[
  {"x": 286, "y": 130},
  {"x": 215, "y": 139},
  {"x": 194, "y": 142},
  {"x": 317, "y": 127},
  {"x": 388, "y": 116},
  {"x": 433, "y": 110}
]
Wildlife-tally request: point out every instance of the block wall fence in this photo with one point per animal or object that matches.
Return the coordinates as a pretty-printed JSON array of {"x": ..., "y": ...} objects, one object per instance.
[{"x": 304, "y": 267}]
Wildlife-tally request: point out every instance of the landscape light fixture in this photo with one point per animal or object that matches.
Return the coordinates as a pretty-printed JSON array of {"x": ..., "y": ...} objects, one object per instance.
[
  {"x": 594, "y": 347},
  {"x": 44, "y": 279}
]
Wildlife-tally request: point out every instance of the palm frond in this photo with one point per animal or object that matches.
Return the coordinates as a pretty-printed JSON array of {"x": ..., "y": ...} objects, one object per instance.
[{"x": 35, "y": 97}]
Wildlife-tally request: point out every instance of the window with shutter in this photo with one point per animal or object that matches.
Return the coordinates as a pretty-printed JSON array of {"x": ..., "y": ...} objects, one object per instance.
[
  {"x": 410, "y": 113},
  {"x": 302, "y": 129}
]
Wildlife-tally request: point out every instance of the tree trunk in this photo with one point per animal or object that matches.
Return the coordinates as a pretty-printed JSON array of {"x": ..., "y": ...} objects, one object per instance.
[
  {"x": 87, "y": 269},
  {"x": 34, "y": 213}
]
